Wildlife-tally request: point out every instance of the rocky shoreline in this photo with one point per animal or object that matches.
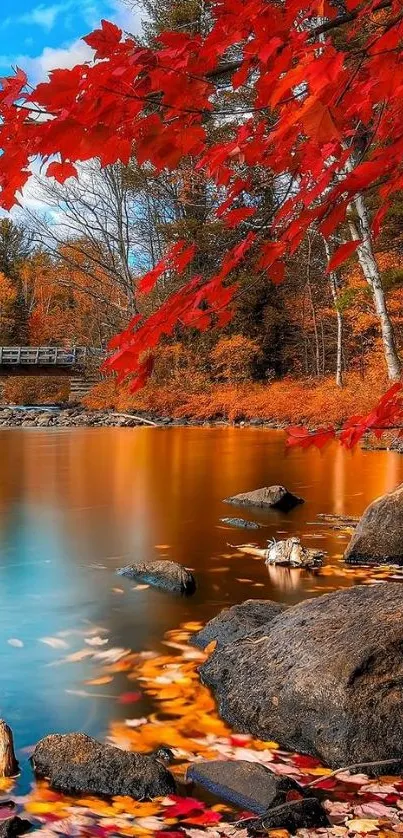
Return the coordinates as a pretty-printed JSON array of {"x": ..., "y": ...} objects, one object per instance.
[
  {"x": 80, "y": 417},
  {"x": 77, "y": 416}
]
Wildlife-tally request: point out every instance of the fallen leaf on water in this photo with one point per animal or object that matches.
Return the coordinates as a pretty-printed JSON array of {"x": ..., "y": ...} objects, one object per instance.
[
  {"x": 136, "y": 722},
  {"x": 85, "y": 694},
  {"x": 112, "y": 655},
  {"x": 205, "y": 818},
  {"x": 375, "y": 810},
  {"x": 184, "y": 806},
  {"x": 362, "y": 825},
  {"x": 54, "y": 642},
  {"x": 129, "y": 698},
  {"x": 96, "y": 641},
  {"x": 76, "y": 657}
]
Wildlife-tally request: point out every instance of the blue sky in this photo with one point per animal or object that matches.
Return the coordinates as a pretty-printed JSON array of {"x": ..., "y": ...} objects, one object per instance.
[{"x": 40, "y": 35}]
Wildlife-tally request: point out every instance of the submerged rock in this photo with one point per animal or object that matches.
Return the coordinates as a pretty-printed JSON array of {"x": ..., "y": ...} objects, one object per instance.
[
  {"x": 75, "y": 763},
  {"x": 165, "y": 575},
  {"x": 291, "y": 552},
  {"x": 11, "y": 827},
  {"x": 270, "y": 497},
  {"x": 248, "y": 785},
  {"x": 307, "y": 813},
  {"x": 378, "y": 538},
  {"x": 322, "y": 678},
  {"x": 237, "y": 622},
  {"x": 241, "y": 523}
]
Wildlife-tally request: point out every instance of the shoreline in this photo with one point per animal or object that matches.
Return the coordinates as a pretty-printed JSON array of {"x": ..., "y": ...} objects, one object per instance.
[
  {"x": 43, "y": 416},
  {"x": 63, "y": 416}
]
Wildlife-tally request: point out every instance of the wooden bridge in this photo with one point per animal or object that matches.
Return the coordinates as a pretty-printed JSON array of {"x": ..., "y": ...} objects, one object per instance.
[{"x": 44, "y": 360}]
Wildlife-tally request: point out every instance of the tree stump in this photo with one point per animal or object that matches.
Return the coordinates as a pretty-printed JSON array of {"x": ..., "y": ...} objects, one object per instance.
[{"x": 8, "y": 762}]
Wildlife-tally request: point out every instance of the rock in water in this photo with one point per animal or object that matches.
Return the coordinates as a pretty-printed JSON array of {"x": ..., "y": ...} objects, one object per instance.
[
  {"x": 8, "y": 763},
  {"x": 248, "y": 785},
  {"x": 77, "y": 764},
  {"x": 378, "y": 538},
  {"x": 270, "y": 497},
  {"x": 291, "y": 552},
  {"x": 241, "y": 523},
  {"x": 165, "y": 575},
  {"x": 11, "y": 827},
  {"x": 237, "y": 622},
  {"x": 322, "y": 678}
]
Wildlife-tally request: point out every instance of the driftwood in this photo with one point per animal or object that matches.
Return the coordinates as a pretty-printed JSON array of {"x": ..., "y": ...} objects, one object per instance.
[
  {"x": 290, "y": 551},
  {"x": 8, "y": 762},
  {"x": 136, "y": 418}
]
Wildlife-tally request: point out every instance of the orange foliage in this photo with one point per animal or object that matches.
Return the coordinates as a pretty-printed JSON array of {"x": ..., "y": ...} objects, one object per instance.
[
  {"x": 283, "y": 402},
  {"x": 30, "y": 390},
  {"x": 234, "y": 358}
]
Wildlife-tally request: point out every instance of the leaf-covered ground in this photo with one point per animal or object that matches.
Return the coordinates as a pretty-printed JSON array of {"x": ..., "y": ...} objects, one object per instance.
[{"x": 185, "y": 718}]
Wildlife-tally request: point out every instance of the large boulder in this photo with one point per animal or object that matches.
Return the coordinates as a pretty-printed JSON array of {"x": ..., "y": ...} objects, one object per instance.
[
  {"x": 323, "y": 677},
  {"x": 77, "y": 764},
  {"x": 378, "y": 538},
  {"x": 237, "y": 622},
  {"x": 269, "y": 497},
  {"x": 165, "y": 575}
]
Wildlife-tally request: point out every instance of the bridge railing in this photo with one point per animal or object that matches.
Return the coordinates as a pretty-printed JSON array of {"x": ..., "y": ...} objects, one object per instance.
[{"x": 57, "y": 356}]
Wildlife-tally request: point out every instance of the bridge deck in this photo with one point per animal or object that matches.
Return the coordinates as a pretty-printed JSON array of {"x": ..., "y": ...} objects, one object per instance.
[{"x": 42, "y": 360}]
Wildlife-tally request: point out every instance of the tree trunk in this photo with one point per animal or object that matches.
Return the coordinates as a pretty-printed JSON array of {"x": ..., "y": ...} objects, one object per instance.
[
  {"x": 339, "y": 319},
  {"x": 370, "y": 269},
  {"x": 313, "y": 310}
]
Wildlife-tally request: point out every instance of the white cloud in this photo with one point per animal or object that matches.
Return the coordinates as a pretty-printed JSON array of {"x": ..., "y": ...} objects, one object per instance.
[
  {"x": 44, "y": 16},
  {"x": 69, "y": 54}
]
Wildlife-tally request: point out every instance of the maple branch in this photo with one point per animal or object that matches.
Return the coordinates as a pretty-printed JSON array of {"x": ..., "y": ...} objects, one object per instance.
[{"x": 348, "y": 17}]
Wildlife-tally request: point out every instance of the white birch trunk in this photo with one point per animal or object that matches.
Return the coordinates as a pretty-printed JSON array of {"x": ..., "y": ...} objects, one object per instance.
[{"x": 339, "y": 319}]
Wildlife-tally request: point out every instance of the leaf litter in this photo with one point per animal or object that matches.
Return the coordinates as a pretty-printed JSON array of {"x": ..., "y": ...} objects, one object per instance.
[{"x": 184, "y": 717}]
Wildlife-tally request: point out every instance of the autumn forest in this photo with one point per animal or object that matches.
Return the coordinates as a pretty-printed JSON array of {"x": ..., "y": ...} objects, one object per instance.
[{"x": 309, "y": 342}]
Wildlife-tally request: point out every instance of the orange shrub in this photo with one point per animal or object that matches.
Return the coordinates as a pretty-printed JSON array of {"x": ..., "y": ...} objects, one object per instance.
[
  {"x": 30, "y": 390},
  {"x": 235, "y": 358},
  {"x": 289, "y": 401}
]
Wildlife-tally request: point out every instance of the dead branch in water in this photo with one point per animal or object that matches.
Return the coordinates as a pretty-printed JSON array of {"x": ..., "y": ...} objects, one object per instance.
[
  {"x": 137, "y": 418},
  {"x": 8, "y": 762}
]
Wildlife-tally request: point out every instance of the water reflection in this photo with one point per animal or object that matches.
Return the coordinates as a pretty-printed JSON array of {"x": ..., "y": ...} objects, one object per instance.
[{"x": 76, "y": 504}]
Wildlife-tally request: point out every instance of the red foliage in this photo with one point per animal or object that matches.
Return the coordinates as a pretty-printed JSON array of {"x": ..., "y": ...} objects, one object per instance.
[
  {"x": 337, "y": 133},
  {"x": 387, "y": 413}
]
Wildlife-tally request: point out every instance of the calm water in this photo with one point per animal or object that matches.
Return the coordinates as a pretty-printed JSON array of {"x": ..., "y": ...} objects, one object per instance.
[{"x": 77, "y": 504}]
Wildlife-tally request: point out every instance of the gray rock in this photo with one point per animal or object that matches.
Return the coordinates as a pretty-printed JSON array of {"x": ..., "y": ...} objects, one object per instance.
[
  {"x": 237, "y": 622},
  {"x": 241, "y": 523},
  {"x": 247, "y": 785},
  {"x": 378, "y": 538},
  {"x": 165, "y": 575},
  {"x": 75, "y": 763},
  {"x": 307, "y": 813},
  {"x": 323, "y": 678},
  {"x": 11, "y": 827},
  {"x": 270, "y": 497}
]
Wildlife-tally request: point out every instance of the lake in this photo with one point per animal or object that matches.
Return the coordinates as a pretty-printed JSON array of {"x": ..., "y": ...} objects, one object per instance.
[{"x": 77, "y": 504}]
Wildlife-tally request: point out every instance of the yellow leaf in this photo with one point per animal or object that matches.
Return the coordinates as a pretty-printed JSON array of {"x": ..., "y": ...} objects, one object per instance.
[{"x": 362, "y": 825}]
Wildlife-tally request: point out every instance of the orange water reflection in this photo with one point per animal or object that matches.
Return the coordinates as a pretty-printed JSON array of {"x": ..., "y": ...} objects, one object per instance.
[{"x": 76, "y": 504}]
